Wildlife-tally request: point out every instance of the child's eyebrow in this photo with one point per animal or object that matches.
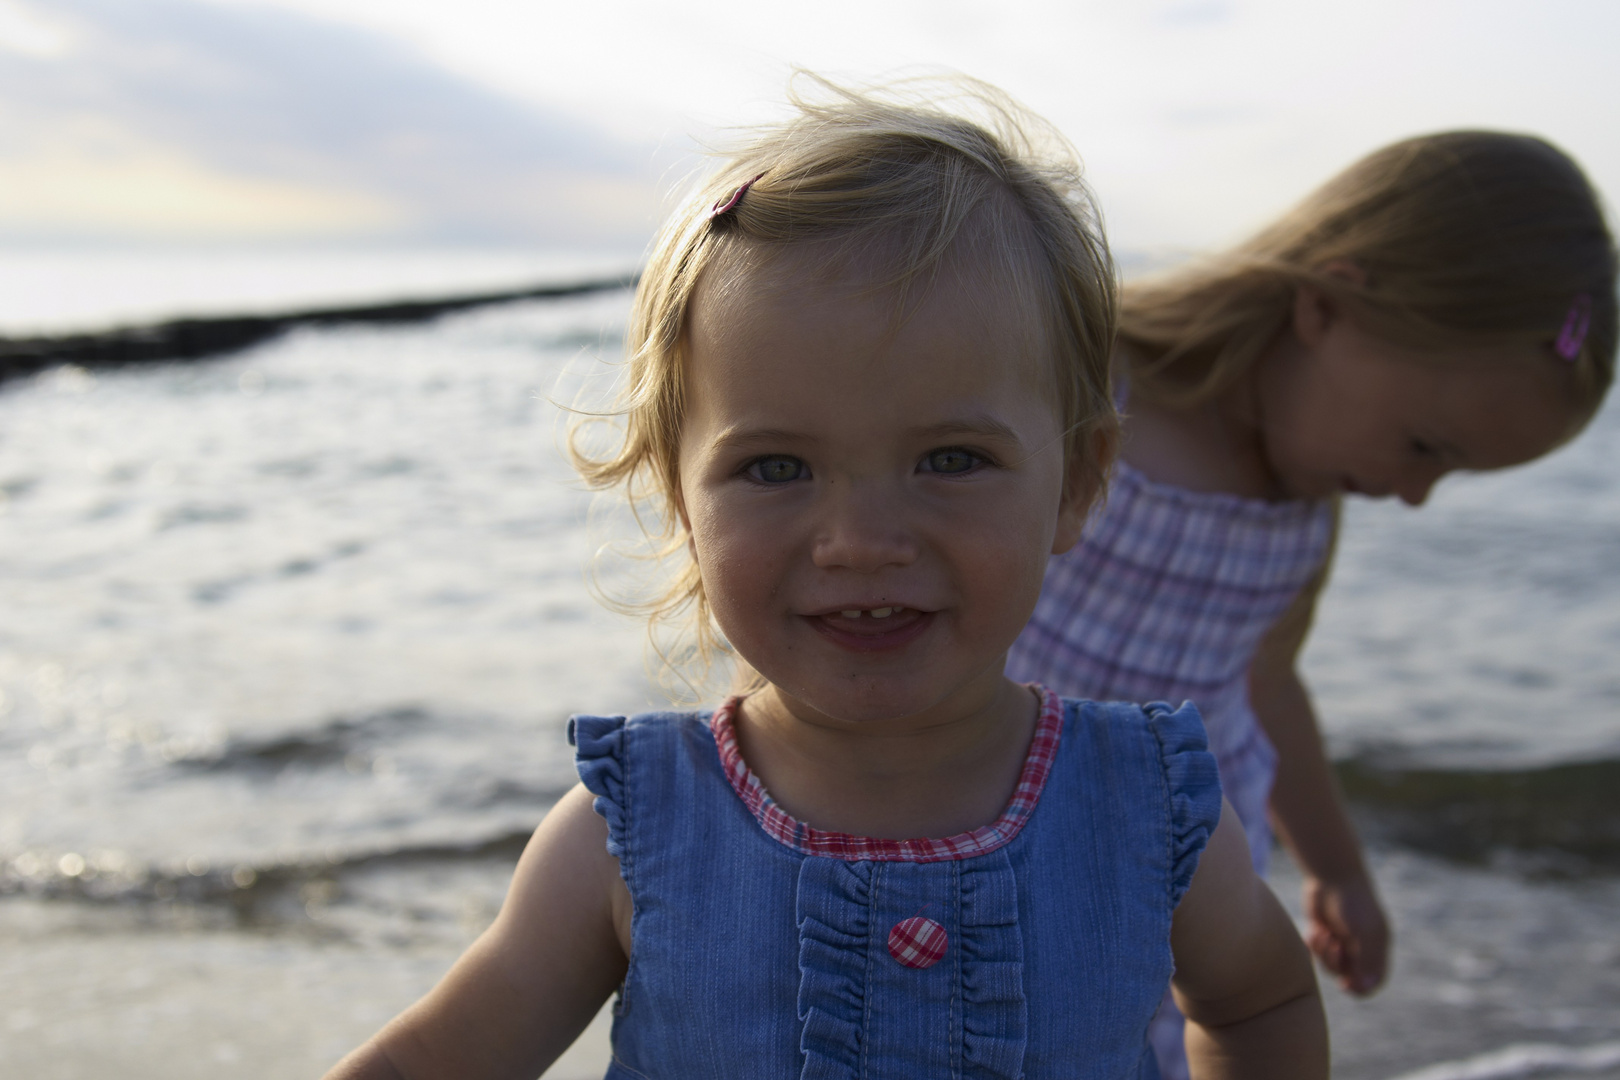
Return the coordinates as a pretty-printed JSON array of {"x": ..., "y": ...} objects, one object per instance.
[
  {"x": 970, "y": 427},
  {"x": 742, "y": 438}
]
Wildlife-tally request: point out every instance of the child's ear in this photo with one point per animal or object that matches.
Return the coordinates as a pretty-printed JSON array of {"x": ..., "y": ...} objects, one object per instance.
[
  {"x": 1315, "y": 309},
  {"x": 1082, "y": 488}
]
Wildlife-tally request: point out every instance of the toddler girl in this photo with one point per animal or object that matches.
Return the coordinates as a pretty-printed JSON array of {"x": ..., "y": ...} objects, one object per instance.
[
  {"x": 868, "y": 394},
  {"x": 1446, "y": 303}
]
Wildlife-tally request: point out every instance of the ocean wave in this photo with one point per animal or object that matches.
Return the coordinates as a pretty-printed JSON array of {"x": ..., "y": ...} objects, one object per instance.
[
  {"x": 333, "y": 743},
  {"x": 112, "y": 877},
  {"x": 1524, "y": 1060},
  {"x": 1558, "y": 819}
]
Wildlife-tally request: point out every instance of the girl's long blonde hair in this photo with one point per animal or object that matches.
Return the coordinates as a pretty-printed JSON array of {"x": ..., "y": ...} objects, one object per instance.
[
  {"x": 893, "y": 177},
  {"x": 1463, "y": 237}
]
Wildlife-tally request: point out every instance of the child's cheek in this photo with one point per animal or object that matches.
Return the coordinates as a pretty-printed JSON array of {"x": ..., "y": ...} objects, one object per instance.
[
  {"x": 1003, "y": 545},
  {"x": 734, "y": 553}
]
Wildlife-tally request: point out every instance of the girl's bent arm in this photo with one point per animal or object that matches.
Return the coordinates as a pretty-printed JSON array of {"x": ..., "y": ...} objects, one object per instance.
[
  {"x": 1348, "y": 930},
  {"x": 1243, "y": 977},
  {"x": 519, "y": 996}
]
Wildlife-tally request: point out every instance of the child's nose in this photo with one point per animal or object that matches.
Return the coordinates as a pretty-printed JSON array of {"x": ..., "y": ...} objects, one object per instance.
[{"x": 864, "y": 529}]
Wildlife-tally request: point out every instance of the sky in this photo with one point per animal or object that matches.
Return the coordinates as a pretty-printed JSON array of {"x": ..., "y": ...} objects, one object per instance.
[{"x": 567, "y": 124}]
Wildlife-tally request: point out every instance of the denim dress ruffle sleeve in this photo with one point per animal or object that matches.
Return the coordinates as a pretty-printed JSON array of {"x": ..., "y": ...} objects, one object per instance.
[{"x": 1034, "y": 947}]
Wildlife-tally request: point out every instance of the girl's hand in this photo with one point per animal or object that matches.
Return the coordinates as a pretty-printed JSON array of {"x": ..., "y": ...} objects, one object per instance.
[{"x": 1348, "y": 932}]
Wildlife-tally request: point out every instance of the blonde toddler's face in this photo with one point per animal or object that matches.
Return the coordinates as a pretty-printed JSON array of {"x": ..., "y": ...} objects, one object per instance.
[{"x": 871, "y": 504}]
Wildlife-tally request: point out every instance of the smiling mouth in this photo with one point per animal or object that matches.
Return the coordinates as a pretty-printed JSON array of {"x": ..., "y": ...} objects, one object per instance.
[
  {"x": 872, "y": 629},
  {"x": 852, "y": 614}
]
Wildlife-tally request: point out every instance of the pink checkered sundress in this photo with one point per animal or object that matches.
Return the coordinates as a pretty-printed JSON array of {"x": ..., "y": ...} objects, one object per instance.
[{"x": 1166, "y": 598}]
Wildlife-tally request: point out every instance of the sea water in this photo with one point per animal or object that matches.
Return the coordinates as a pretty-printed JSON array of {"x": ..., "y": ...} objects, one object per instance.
[{"x": 288, "y": 639}]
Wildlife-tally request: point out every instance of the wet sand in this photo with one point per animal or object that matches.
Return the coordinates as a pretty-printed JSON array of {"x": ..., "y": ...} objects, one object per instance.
[{"x": 142, "y": 996}]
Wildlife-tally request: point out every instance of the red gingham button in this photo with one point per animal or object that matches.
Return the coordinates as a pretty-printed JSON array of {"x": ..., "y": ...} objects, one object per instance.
[{"x": 917, "y": 942}]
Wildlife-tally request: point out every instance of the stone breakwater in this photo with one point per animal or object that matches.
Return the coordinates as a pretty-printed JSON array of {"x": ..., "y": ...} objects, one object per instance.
[{"x": 200, "y": 338}]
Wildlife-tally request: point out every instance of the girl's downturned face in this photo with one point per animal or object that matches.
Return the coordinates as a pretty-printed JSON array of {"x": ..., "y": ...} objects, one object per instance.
[
  {"x": 1346, "y": 411},
  {"x": 871, "y": 502}
]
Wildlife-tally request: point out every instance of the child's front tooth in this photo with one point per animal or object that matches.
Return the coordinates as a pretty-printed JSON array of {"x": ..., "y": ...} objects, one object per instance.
[
  {"x": 882, "y": 612},
  {"x": 851, "y": 614}
]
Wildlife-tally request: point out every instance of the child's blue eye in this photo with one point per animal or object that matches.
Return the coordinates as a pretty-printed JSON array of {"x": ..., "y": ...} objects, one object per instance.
[
  {"x": 952, "y": 459},
  {"x": 777, "y": 470}
]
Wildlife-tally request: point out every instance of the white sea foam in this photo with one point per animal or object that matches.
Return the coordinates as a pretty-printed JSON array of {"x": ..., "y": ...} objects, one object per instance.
[{"x": 1524, "y": 1060}]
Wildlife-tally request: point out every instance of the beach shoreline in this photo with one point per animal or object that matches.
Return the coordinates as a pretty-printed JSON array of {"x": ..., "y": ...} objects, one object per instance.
[{"x": 171, "y": 990}]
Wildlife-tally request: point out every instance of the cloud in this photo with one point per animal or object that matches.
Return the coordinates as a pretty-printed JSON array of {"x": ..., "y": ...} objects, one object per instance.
[
  {"x": 169, "y": 117},
  {"x": 27, "y": 32},
  {"x": 1196, "y": 13},
  {"x": 88, "y": 179}
]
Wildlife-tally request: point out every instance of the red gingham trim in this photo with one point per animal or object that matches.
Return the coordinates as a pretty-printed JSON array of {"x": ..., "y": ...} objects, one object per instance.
[{"x": 786, "y": 829}]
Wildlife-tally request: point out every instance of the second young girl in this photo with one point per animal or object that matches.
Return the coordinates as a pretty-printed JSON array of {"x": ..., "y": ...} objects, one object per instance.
[
  {"x": 868, "y": 392},
  {"x": 1447, "y": 303}
]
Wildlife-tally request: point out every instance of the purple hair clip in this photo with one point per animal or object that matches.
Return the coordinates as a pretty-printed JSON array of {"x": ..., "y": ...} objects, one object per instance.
[
  {"x": 1576, "y": 324},
  {"x": 722, "y": 207}
]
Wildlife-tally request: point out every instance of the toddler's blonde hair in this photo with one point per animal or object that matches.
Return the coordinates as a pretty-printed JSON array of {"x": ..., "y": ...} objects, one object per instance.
[
  {"x": 1464, "y": 237},
  {"x": 888, "y": 184}
]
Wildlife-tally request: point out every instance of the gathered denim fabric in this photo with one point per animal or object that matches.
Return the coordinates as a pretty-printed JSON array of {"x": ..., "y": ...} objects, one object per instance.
[{"x": 751, "y": 960}]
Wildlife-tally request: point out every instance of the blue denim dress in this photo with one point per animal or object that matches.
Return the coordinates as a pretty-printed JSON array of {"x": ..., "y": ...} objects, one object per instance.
[{"x": 754, "y": 958}]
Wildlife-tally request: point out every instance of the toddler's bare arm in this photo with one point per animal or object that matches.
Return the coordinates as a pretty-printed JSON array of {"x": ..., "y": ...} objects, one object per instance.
[
  {"x": 519, "y": 996},
  {"x": 1243, "y": 976}
]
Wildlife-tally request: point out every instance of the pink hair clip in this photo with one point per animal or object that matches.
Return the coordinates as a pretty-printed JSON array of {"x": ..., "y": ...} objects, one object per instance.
[
  {"x": 722, "y": 207},
  {"x": 1576, "y": 324}
]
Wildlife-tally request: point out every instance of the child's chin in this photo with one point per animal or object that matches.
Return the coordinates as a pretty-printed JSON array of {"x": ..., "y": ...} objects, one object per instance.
[{"x": 872, "y": 700}]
